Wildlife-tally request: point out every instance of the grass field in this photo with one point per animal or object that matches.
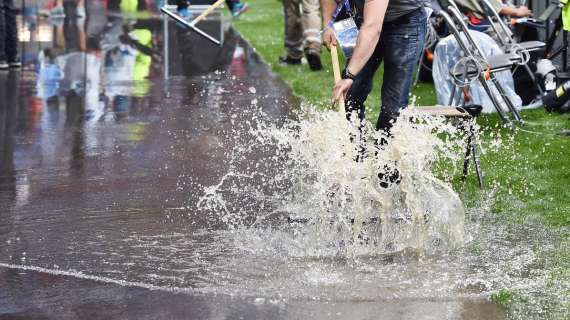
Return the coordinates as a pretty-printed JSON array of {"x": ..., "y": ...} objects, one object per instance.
[{"x": 527, "y": 171}]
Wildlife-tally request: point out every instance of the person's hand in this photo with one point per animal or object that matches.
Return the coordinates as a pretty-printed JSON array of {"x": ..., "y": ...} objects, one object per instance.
[
  {"x": 341, "y": 89},
  {"x": 329, "y": 38},
  {"x": 523, "y": 11}
]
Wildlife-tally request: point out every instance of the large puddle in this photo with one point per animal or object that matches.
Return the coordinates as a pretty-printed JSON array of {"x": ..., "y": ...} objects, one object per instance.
[{"x": 218, "y": 193}]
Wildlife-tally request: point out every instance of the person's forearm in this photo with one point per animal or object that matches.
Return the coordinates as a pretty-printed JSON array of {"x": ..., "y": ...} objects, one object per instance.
[
  {"x": 368, "y": 37},
  {"x": 327, "y": 9},
  {"x": 519, "y": 12},
  {"x": 508, "y": 11},
  {"x": 365, "y": 44},
  {"x": 369, "y": 34}
]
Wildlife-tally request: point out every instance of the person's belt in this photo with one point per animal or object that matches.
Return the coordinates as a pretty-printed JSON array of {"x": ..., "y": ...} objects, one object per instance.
[{"x": 405, "y": 19}]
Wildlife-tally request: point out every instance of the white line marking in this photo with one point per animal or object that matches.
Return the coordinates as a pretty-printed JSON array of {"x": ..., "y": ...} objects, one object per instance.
[{"x": 80, "y": 275}]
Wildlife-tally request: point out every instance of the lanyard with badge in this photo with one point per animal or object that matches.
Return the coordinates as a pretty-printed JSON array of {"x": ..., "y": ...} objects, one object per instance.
[{"x": 345, "y": 30}]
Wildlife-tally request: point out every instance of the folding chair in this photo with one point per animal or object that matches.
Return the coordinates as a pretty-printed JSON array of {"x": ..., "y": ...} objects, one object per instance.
[
  {"x": 486, "y": 68},
  {"x": 507, "y": 39}
]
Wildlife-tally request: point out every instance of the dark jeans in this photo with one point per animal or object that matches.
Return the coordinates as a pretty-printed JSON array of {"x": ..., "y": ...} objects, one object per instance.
[
  {"x": 399, "y": 48},
  {"x": 8, "y": 31}
]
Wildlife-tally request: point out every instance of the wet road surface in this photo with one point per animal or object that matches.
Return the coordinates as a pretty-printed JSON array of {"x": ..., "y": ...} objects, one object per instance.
[
  {"x": 36, "y": 295},
  {"x": 102, "y": 163}
]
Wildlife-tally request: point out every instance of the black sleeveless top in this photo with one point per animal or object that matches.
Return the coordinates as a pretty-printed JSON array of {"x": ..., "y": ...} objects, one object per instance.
[{"x": 396, "y": 8}]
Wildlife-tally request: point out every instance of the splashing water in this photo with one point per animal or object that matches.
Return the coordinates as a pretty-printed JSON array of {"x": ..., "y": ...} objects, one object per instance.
[{"x": 323, "y": 178}]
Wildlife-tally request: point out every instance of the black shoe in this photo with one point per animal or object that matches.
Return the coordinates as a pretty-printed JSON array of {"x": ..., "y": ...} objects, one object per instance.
[
  {"x": 388, "y": 177},
  {"x": 14, "y": 64},
  {"x": 314, "y": 61},
  {"x": 289, "y": 60}
]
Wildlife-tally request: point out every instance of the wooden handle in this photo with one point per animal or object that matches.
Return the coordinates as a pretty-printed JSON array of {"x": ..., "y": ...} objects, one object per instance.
[
  {"x": 336, "y": 73},
  {"x": 207, "y": 12}
]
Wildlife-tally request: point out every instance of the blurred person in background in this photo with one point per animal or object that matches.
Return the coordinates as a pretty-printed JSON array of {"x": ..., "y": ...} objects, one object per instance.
[
  {"x": 236, "y": 7},
  {"x": 9, "y": 57},
  {"x": 69, "y": 35},
  {"x": 476, "y": 13},
  {"x": 302, "y": 33},
  {"x": 478, "y": 20},
  {"x": 59, "y": 10},
  {"x": 474, "y": 9}
]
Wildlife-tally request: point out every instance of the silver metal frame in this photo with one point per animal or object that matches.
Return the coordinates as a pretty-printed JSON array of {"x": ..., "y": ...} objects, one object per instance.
[
  {"x": 471, "y": 48},
  {"x": 168, "y": 11},
  {"x": 196, "y": 9},
  {"x": 189, "y": 25},
  {"x": 166, "y": 47},
  {"x": 508, "y": 39},
  {"x": 506, "y": 36},
  {"x": 478, "y": 52}
]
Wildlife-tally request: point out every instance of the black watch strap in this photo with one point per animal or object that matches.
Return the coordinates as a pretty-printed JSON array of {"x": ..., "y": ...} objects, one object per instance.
[{"x": 348, "y": 75}]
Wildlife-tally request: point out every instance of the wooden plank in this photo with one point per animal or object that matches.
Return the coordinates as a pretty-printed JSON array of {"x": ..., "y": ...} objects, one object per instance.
[
  {"x": 436, "y": 111},
  {"x": 207, "y": 12},
  {"x": 336, "y": 74}
]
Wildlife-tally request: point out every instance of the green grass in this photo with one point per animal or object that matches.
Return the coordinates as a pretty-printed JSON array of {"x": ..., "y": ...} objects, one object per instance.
[
  {"x": 503, "y": 298},
  {"x": 529, "y": 174}
]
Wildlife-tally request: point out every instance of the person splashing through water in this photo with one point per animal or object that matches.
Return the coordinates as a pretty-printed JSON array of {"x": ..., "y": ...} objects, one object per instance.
[{"x": 390, "y": 31}]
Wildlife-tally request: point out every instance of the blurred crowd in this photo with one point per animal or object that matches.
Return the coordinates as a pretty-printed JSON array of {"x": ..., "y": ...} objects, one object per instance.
[{"x": 95, "y": 57}]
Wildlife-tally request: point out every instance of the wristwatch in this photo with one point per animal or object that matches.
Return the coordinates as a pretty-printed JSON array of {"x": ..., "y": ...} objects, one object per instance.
[{"x": 347, "y": 74}]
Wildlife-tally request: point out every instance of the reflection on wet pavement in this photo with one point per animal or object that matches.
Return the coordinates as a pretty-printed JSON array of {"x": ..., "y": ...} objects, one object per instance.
[{"x": 102, "y": 163}]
